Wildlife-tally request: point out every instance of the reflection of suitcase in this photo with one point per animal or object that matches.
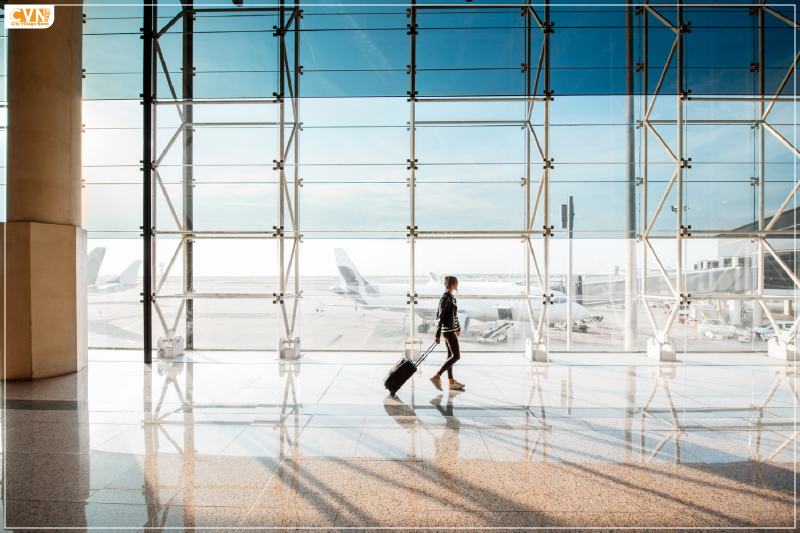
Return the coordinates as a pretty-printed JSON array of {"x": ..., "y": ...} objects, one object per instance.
[{"x": 402, "y": 370}]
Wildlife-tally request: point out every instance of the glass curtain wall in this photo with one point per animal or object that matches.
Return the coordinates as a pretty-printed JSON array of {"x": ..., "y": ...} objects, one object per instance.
[
  {"x": 318, "y": 170},
  {"x": 112, "y": 173}
]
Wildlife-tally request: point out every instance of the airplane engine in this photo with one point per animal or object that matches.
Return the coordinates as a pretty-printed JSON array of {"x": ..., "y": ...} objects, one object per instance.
[{"x": 463, "y": 320}]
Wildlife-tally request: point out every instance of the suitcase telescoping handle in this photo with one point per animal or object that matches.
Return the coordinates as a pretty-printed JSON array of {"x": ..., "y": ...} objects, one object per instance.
[{"x": 424, "y": 355}]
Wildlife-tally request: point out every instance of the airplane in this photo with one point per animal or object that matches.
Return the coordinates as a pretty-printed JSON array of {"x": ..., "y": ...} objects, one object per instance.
[
  {"x": 126, "y": 280},
  {"x": 93, "y": 265},
  {"x": 393, "y": 296}
]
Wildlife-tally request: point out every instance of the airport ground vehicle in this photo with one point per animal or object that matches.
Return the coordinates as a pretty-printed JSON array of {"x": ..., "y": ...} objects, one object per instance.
[
  {"x": 716, "y": 328},
  {"x": 767, "y": 332}
]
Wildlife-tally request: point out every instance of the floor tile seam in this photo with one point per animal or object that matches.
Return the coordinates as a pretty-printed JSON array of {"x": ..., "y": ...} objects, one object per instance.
[
  {"x": 239, "y": 434},
  {"x": 330, "y": 384},
  {"x": 607, "y": 439},
  {"x": 272, "y": 476},
  {"x": 371, "y": 383},
  {"x": 92, "y": 447},
  {"x": 732, "y": 449},
  {"x": 686, "y": 396},
  {"x": 358, "y": 442},
  {"x": 682, "y": 452},
  {"x": 249, "y": 383},
  {"x": 728, "y": 436},
  {"x": 140, "y": 462},
  {"x": 794, "y": 430},
  {"x": 488, "y": 449},
  {"x": 499, "y": 389}
]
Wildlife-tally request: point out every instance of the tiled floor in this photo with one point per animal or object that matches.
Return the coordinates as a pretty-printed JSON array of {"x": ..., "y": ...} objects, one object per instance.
[{"x": 227, "y": 439}]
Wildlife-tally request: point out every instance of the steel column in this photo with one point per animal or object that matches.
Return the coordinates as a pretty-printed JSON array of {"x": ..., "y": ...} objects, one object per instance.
[
  {"x": 147, "y": 162},
  {"x": 288, "y": 76},
  {"x": 528, "y": 108},
  {"x": 280, "y": 162},
  {"x": 757, "y": 311},
  {"x": 644, "y": 165},
  {"x": 548, "y": 164},
  {"x": 188, "y": 171},
  {"x": 412, "y": 167},
  {"x": 155, "y": 178},
  {"x": 297, "y": 17},
  {"x": 680, "y": 167},
  {"x": 630, "y": 203}
]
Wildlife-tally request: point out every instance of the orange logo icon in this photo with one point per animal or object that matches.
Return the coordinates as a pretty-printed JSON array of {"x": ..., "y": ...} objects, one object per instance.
[{"x": 32, "y": 16}]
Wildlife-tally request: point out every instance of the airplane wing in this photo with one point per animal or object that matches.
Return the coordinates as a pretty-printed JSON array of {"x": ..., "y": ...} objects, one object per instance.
[
  {"x": 427, "y": 312},
  {"x": 386, "y": 307}
]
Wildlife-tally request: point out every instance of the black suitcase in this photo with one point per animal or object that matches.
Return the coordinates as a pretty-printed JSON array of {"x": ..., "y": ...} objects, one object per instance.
[{"x": 402, "y": 370}]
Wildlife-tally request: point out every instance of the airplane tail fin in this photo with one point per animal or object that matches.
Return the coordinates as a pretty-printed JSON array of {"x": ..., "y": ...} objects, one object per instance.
[
  {"x": 348, "y": 273},
  {"x": 433, "y": 275},
  {"x": 128, "y": 276},
  {"x": 93, "y": 265}
]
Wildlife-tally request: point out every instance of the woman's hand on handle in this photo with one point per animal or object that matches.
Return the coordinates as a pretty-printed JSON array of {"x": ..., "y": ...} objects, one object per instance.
[
  {"x": 437, "y": 339},
  {"x": 458, "y": 333}
]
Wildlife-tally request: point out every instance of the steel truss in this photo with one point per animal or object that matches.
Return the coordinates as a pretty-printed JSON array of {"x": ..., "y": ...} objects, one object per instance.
[
  {"x": 534, "y": 22},
  {"x": 288, "y": 197},
  {"x": 538, "y": 88},
  {"x": 682, "y": 164}
]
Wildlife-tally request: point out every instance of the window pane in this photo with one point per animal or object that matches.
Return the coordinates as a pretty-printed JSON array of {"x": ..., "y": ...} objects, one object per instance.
[
  {"x": 115, "y": 311},
  {"x": 473, "y": 207}
]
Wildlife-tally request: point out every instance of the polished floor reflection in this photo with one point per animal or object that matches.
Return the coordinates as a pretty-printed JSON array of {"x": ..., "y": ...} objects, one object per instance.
[{"x": 227, "y": 439}]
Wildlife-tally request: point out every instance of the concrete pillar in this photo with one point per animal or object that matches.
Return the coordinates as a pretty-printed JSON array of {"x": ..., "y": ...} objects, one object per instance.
[
  {"x": 758, "y": 316},
  {"x": 45, "y": 247}
]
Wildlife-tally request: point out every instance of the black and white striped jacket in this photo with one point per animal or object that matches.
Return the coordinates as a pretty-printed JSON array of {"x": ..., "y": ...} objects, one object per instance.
[{"x": 447, "y": 315}]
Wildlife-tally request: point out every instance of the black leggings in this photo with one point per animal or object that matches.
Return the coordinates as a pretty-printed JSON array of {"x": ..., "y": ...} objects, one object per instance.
[{"x": 453, "y": 353}]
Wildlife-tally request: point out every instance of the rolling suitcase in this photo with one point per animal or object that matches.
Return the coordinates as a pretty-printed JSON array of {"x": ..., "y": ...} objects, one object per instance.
[{"x": 402, "y": 370}]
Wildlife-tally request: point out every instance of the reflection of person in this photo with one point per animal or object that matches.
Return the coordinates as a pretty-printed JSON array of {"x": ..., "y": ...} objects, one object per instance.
[
  {"x": 447, "y": 445},
  {"x": 447, "y": 326}
]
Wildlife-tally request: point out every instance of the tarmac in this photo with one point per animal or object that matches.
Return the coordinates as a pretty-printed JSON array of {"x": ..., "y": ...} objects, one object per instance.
[{"x": 329, "y": 323}]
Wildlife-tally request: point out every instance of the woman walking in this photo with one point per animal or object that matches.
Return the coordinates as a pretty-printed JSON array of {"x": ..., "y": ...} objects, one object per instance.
[{"x": 447, "y": 326}]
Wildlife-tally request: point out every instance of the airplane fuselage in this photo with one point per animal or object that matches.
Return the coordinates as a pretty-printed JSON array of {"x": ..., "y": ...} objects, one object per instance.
[
  {"x": 109, "y": 288},
  {"x": 395, "y": 296}
]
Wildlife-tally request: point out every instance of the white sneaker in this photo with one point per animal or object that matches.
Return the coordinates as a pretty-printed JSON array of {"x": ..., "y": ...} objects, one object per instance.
[
  {"x": 437, "y": 382},
  {"x": 455, "y": 385}
]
